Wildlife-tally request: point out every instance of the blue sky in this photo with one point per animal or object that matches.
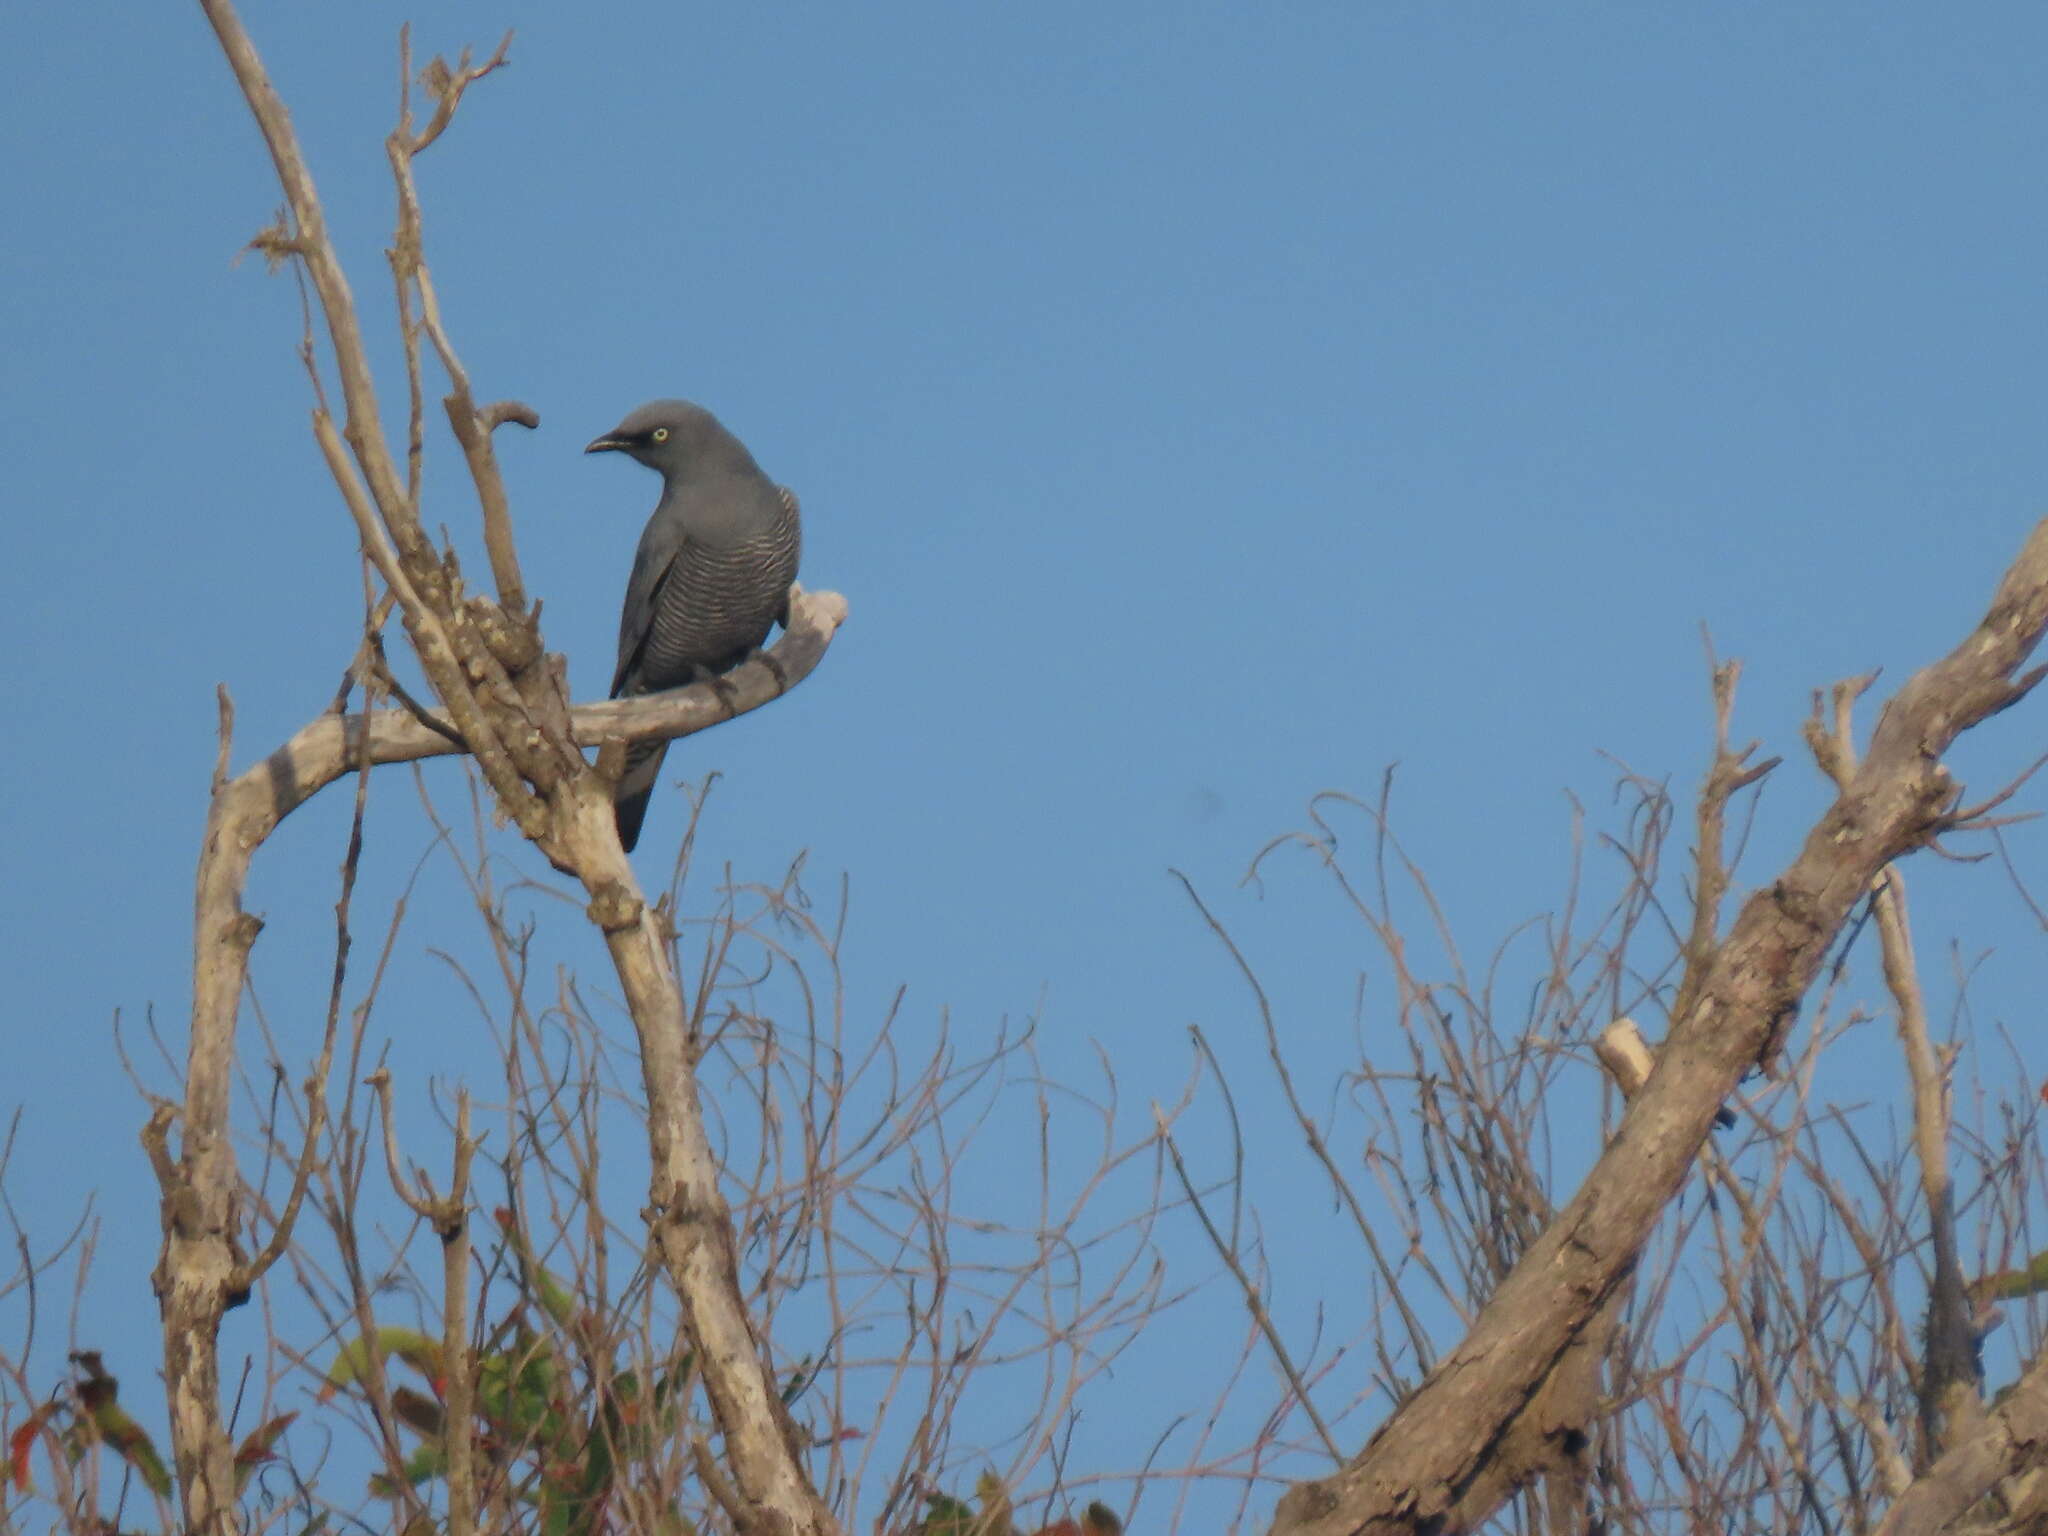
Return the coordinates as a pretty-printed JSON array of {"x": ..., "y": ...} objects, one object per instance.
[{"x": 1200, "y": 406}]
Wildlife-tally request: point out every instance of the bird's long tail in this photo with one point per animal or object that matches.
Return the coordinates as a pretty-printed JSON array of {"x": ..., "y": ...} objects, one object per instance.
[{"x": 629, "y": 800}]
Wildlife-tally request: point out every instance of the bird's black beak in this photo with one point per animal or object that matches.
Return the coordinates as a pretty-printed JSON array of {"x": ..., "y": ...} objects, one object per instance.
[{"x": 606, "y": 444}]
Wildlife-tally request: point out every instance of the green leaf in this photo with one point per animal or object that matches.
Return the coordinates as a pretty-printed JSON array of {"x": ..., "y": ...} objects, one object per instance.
[
  {"x": 105, "y": 1420},
  {"x": 515, "y": 1392},
  {"x": 423, "y": 1465},
  {"x": 112, "y": 1424},
  {"x": 638, "y": 1420},
  {"x": 995, "y": 1505},
  {"x": 948, "y": 1516},
  {"x": 417, "y": 1350},
  {"x": 799, "y": 1378},
  {"x": 2013, "y": 1284}
]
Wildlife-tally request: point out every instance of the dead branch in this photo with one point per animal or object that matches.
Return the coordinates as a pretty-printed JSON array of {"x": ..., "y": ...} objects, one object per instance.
[
  {"x": 1436, "y": 1462},
  {"x": 2014, "y": 1435},
  {"x": 448, "y": 1215},
  {"x": 505, "y": 701},
  {"x": 328, "y": 747},
  {"x": 1254, "y": 1300},
  {"x": 1730, "y": 773},
  {"x": 1950, "y": 1374}
]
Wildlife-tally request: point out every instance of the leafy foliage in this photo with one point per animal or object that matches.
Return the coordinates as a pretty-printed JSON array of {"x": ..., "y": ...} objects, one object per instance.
[
  {"x": 553, "y": 1437},
  {"x": 951, "y": 1516}
]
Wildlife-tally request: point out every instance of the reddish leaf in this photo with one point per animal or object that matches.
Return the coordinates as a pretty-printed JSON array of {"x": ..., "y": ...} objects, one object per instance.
[
  {"x": 19, "y": 1442},
  {"x": 260, "y": 1445},
  {"x": 417, "y": 1410}
]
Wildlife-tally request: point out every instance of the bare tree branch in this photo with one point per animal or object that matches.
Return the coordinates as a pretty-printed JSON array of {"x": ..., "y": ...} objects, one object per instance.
[
  {"x": 1950, "y": 1374},
  {"x": 326, "y": 748},
  {"x": 507, "y": 703},
  {"x": 2012, "y": 1436},
  {"x": 1432, "y": 1463}
]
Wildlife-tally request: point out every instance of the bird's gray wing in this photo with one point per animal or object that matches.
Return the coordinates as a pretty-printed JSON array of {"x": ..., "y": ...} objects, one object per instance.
[
  {"x": 652, "y": 564},
  {"x": 793, "y": 510}
]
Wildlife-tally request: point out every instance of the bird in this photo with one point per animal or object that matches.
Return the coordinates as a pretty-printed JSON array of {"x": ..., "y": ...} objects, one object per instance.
[{"x": 712, "y": 574}]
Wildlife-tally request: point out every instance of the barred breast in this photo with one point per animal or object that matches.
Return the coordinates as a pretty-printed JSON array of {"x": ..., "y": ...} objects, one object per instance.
[{"x": 717, "y": 605}]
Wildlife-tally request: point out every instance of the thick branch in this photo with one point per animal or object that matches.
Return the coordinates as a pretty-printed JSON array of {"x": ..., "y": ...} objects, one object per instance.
[
  {"x": 1419, "y": 1469},
  {"x": 332, "y": 745},
  {"x": 688, "y": 1220},
  {"x": 196, "y": 1276},
  {"x": 2011, "y": 1438},
  {"x": 508, "y": 707},
  {"x": 196, "y": 1272}
]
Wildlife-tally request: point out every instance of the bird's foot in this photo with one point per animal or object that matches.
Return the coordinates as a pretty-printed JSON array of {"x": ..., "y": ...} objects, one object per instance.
[{"x": 727, "y": 695}]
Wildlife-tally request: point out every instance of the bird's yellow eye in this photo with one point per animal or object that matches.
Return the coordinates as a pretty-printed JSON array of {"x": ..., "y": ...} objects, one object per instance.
[{"x": 660, "y": 434}]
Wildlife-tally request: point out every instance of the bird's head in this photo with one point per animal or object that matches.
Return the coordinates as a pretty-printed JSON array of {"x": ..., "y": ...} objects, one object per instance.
[{"x": 676, "y": 438}]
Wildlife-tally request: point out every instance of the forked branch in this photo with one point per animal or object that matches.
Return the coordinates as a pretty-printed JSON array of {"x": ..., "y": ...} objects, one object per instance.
[
  {"x": 504, "y": 701},
  {"x": 1428, "y": 1466}
]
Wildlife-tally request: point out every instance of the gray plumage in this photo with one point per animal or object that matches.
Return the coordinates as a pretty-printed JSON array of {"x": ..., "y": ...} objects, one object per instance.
[{"x": 711, "y": 576}]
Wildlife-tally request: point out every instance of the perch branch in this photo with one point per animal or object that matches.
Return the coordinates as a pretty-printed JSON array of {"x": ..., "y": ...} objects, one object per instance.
[
  {"x": 504, "y": 699},
  {"x": 327, "y": 747}
]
